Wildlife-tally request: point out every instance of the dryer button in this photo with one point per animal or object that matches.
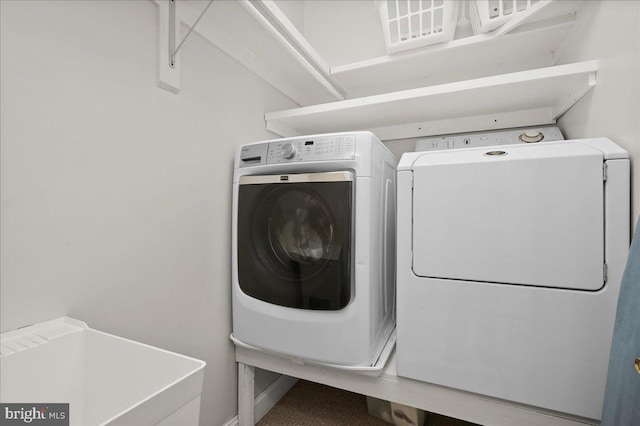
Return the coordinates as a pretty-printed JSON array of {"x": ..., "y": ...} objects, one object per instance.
[{"x": 530, "y": 136}]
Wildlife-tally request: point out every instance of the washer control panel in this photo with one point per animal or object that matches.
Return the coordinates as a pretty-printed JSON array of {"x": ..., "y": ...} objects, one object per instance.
[
  {"x": 254, "y": 155},
  {"x": 500, "y": 137},
  {"x": 322, "y": 148},
  {"x": 293, "y": 150}
]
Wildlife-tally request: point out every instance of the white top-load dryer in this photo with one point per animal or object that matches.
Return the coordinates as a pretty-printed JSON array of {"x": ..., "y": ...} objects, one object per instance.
[
  {"x": 509, "y": 263},
  {"x": 313, "y": 248}
]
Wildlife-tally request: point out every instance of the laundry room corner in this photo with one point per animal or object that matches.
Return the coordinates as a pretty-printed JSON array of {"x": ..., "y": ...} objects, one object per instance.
[
  {"x": 608, "y": 31},
  {"x": 116, "y": 194}
]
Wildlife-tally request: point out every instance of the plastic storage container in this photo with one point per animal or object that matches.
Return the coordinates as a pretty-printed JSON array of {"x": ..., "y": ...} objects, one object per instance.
[
  {"x": 408, "y": 24},
  {"x": 487, "y": 15},
  {"x": 394, "y": 413},
  {"x": 105, "y": 379},
  {"x": 380, "y": 408}
]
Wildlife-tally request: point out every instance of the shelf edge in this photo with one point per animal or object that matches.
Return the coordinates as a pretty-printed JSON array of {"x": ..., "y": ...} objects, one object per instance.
[{"x": 585, "y": 67}]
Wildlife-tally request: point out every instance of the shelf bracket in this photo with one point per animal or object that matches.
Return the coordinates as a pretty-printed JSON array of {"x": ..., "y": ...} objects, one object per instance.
[
  {"x": 173, "y": 50},
  {"x": 168, "y": 54}
]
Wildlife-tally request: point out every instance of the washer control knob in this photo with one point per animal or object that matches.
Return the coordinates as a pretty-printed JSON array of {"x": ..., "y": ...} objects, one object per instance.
[
  {"x": 288, "y": 150},
  {"x": 531, "y": 136}
]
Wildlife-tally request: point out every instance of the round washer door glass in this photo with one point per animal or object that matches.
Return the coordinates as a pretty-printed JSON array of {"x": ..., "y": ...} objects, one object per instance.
[{"x": 294, "y": 239}]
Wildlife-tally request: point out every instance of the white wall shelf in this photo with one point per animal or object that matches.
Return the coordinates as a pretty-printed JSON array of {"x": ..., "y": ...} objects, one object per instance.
[
  {"x": 531, "y": 46},
  {"x": 531, "y": 40},
  {"x": 519, "y": 99},
  {"x": 261, "y": 37}
]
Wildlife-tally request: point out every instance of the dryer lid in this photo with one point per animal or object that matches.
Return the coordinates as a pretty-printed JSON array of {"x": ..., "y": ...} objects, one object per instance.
[{"x": 525, "y": 215}]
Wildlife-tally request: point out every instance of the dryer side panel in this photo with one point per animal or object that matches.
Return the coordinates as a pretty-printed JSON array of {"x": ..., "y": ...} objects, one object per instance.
[{"x": 530, "y": 215}]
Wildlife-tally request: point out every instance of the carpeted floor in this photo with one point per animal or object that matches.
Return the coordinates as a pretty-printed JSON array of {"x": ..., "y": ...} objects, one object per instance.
[{"x": 312, "y": 404}]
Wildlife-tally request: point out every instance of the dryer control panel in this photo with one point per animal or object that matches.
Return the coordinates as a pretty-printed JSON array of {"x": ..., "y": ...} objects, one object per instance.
[
  {"x": 499, "y": 137},
  {"x": 293, "y": 150}
]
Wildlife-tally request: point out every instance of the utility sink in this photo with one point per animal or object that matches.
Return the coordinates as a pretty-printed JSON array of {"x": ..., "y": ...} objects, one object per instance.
[{"x": 105, "y": 379}]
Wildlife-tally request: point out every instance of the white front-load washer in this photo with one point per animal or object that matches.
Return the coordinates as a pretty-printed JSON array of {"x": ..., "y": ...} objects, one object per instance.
[
  {"x": 313, "y": 247},
  {"x": 510, "y": 259}
]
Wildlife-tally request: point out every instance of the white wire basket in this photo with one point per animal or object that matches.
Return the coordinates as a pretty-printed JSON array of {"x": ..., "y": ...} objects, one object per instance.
[
  {"x": 408, "y": 24},
  {"x": 487, "y": 15}
]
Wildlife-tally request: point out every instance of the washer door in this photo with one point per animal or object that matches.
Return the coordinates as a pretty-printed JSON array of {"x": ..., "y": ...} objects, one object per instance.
[{"x": 294, "y": 239}]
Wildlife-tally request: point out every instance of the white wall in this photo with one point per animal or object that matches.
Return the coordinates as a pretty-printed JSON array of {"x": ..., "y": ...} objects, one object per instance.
[
  {"x": 344, "y": 31},
  {"x": 609, "y": 31},
  {"x": 116, "y": 194}
]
